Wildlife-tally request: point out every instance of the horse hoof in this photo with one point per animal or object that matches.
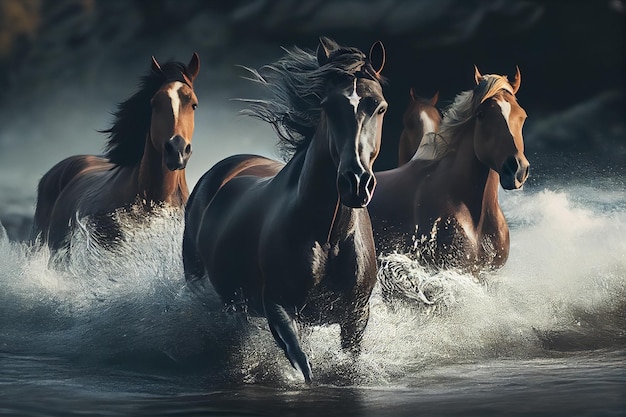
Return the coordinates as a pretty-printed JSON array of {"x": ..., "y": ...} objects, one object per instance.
[{"x": 307, "y": 377}]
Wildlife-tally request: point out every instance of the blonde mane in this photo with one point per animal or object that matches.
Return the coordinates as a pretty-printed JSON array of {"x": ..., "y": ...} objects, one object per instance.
[{"x": 435, "y": 145}]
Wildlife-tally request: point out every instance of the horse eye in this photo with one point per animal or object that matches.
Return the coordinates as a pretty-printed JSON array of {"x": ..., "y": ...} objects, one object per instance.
[{"x": 194, "y": 106}]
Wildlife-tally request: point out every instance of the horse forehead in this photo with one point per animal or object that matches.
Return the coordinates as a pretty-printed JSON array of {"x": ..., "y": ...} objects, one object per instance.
[
  {"x": 362, "y": 88},
  {"x": 505, "y": 108},
  {"x": 429, "y": 123},
  {"x": 366, "y": 87},
  {"x": 173, "y": 91},
  {"x": 510, "y": 111},
  {"x": 509, "y": 105},
  {"x": 175, "y": 88},
  {"x": 353, "y": 96}
]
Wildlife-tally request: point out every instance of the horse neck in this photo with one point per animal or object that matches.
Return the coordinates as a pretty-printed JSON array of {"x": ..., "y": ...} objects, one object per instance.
[
  {"x": 474, "y": 183},
  {"x": 317, "y": 191},
  {"x": 317, "y": 180},
  {"x": 156, "y": 183}
]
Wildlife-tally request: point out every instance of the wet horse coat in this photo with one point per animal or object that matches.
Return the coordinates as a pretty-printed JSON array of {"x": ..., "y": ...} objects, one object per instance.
[
  {"x": 293, "y": 242},
  {"x": 443, "y": 204},
  {"x": 147, "y": 151}
]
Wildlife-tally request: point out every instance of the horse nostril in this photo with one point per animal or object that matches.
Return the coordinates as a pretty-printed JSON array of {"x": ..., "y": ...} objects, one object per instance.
[
  {"x": 188, "y": 149},
  {"x": 169, "y": 147},
  {"x": 511, "y": 165},
  {"x": 368, "y": 182}
]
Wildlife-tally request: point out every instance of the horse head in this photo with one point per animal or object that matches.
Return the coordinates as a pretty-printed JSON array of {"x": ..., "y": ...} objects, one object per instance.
[
  {"x": 422, "y": 116},
  {"x": 353, "y": 108},
  {"x": 172, "y": 121},
  {"x": 498, "y": 140}
]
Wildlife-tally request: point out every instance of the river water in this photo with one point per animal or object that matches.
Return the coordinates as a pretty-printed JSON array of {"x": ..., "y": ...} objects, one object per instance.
[{"x": 118, "y": 333}]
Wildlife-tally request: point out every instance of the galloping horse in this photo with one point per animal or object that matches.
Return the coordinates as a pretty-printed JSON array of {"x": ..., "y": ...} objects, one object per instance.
[
  {"x": 420, "y": 117},
  {"x": 444, "y": 202},
  {"x": 293, "y": 242},
  {"x": 144, "y": 161}
]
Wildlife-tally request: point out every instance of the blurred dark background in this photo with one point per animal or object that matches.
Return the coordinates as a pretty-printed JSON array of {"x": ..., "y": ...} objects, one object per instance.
[{"x": 571, "y": 56}]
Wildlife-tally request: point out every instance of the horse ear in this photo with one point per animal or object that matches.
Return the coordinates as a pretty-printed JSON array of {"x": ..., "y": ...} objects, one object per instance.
[
  {"x": 477, "y": 76},
  {"x": 193, "y": 67},
  {"x": 382, "y": 63},
  {"x": 155, "y": 65},
  {"x": 412, "y": 93},
  {"x": 325, "y": 47},
  {"x": 517, "y": 81},
  {"x": 434, "y": 99}
]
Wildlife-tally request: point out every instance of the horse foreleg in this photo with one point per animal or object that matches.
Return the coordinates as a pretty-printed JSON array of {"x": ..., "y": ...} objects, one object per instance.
[
  {"x": 284, "y": 331},
  {"x": 353, "y": 329}
]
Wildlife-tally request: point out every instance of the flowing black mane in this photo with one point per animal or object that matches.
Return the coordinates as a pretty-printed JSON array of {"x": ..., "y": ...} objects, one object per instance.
[
  {"x": 298, "y": 84},
  {"x": 127, "y": 136}
]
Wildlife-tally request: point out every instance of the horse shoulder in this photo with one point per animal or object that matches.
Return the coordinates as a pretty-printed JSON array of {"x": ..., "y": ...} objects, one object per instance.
[{"x": 227, "y": 239}]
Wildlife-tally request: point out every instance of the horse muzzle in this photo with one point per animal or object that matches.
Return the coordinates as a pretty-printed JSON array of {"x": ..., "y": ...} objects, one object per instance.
[
  {"x": 176, "y": 153},
  {"x": 514, "y": 172},
  {"x": 356, "y": 190}
]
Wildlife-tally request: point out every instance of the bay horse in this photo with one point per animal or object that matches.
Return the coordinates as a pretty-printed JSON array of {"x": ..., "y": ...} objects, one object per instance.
[
  {"x": 443, "y": 204},
  {"x": 144, "y": 162},
  {"x": 293, "y": 242},
  {"x": 421, "y": 117}
]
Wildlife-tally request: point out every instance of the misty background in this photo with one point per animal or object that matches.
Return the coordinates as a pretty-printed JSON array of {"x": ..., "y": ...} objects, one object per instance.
[{"x": 66, "y": 64}]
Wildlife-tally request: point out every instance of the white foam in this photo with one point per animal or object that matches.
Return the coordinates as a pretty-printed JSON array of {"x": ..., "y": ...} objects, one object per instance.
[{"x": 567, "y": 260}]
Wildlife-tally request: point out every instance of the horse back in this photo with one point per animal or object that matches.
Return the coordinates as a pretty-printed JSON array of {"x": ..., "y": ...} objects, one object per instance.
[
  {"x": 54, "y": 182},
  {"x": 222, "y": 172}
]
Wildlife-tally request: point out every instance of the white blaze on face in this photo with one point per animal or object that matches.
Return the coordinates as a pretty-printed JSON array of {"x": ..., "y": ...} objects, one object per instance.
[
  {"x": 427, "y": 122},
  {"x": 506, "y": 111},
  {"x": 175, "y": 98},
  {"x": 354, "y": 98}
]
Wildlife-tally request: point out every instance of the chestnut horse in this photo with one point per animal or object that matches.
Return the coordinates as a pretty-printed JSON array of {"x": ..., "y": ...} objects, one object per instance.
[
  {"x": 443, "y": 204},
  {"x": 144, "y": 162},
  {"x": 293, "y": 242},
  {"x": 420, "y": 117}
]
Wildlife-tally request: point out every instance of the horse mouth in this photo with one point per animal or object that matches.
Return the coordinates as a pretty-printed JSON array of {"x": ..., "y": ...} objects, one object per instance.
[
  {"x": 176, "y": 166},
  {"x": 514, "y": 173},
  {"x": 356, "y": 191},
  {"x": 510, "y": 184},
  {"x": 355, "y": 201}
]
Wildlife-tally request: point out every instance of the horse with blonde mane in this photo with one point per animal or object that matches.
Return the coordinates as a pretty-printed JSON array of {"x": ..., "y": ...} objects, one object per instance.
[
  {"x": 143, "y": 165},
  {"x": 443, "y": 204}
]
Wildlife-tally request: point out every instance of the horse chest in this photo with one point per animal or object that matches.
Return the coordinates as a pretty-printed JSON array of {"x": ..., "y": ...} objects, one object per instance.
[
  {"x": 319, "y": 258},
  {"x": 461, "y": 242}
]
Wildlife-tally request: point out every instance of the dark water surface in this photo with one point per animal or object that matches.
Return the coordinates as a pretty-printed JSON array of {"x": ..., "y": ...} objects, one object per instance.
[
  {"x": 581, "y": 384},
  {"x": 119, "y": 334}
]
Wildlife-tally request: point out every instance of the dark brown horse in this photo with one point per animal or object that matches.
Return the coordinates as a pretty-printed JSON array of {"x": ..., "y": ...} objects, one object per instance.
[
  {"x": 420, "y": 117},
  {"x": 293, "y": 242},
  {"x": 444, "y": 203},
  {"x": 144, "y": 162}
]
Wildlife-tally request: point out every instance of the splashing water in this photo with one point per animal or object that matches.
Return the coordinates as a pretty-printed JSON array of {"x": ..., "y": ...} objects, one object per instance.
[{"x": 563, "y": 288}]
